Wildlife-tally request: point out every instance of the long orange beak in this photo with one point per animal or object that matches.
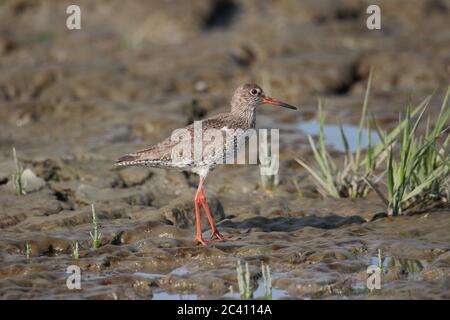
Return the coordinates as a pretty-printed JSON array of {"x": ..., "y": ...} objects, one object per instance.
[{"x": 275, "y": 102}]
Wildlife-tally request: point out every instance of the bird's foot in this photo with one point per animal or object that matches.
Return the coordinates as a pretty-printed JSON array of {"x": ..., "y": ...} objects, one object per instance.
[
  {"x": 215, "y": 234},
  {"x": 202, "y": 241}
]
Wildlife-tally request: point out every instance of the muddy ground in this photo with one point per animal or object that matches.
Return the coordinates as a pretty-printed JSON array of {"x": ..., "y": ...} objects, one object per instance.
[{"x": 71, "y": 102}]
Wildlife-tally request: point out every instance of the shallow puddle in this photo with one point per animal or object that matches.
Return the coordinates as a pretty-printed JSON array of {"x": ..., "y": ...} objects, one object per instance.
[
  {"x": 276, "y": 293},
  {"x": 170, "y": 296},
  {"x": 148, "y": 275},
  {"x": 333, "y": 134},
  {"x": 179, "y": 271}
]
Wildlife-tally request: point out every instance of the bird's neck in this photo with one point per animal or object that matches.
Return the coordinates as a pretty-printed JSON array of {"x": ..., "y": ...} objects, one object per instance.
[{"x": 246, "y": 117}]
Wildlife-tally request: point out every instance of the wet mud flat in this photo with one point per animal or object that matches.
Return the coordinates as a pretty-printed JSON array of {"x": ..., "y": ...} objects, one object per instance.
[
  {"x": 316, "y": 248},
  {"x": 144, "y": 256},
  {"x": 71, "y": 103}
]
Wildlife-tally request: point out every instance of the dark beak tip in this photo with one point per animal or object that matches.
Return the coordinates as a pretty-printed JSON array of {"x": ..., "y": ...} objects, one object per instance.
[{"x": 289, "y": 106}]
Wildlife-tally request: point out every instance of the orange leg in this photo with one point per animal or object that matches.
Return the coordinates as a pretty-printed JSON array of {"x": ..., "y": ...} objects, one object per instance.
[
  {"x": 197, "y": 202},
  {"x": 200, "y": 198},
  {"x": 198, "y": 237}
]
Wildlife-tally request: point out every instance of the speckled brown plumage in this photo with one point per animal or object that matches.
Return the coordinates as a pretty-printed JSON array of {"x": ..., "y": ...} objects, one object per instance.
[{"x": 159, "y": 155}]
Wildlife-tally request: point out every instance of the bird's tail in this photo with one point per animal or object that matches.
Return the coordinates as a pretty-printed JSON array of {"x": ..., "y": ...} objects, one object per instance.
[{"x": 126, "y": 160}]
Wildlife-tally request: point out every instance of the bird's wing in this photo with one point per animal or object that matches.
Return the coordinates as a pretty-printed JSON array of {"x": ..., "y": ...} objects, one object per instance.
[{"x": 162, "y": 152}]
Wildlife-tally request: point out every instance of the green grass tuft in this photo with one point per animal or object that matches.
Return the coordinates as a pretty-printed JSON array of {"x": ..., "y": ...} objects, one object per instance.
[
  {"x": 347, "y": 181},
  {"x": 419, "y": 175}
]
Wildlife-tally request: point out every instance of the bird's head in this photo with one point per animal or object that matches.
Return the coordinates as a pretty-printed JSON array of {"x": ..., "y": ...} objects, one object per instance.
[{"x": 250, "y": 96}]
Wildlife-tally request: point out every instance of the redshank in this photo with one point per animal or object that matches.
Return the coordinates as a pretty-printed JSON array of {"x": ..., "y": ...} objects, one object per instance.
[{"x": 242, "y": 117}]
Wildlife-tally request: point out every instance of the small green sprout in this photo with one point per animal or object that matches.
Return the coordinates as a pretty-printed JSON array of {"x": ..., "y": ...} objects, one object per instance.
[
  {"x": 297, "y": 188},
  {"x": 267, "y": 280},
  {"x": 380, "y": 261},
  {"x": 17, "y": 175},
  {"x": 27, "y": 250},
  {"x": 269, "y": 180},
  {"x": 245, "y": 287},
  {"x": 76, "y": 252},
  {"x": 95, "y": 235}
]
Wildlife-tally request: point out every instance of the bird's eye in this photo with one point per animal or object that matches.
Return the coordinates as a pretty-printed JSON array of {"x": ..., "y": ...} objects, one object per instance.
[{"x": 254, "y": 92}]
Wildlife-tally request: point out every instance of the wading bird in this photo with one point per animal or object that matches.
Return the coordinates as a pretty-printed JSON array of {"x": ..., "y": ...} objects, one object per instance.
[{"x": 242, "y": 117}]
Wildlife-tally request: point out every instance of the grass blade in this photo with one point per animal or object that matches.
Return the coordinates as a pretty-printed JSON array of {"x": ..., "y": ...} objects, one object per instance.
[{"x": 363, "y": 118}]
